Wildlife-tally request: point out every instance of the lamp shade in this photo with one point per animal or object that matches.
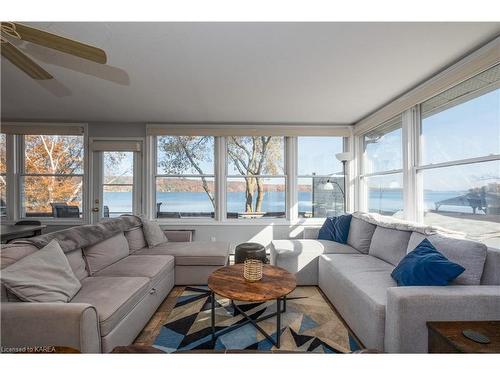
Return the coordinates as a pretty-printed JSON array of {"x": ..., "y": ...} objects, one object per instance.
[{"x": 344, "y": 156}]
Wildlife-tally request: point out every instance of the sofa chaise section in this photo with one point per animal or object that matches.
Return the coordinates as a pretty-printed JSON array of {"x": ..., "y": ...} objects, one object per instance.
[
  {"x": 194, "y": 261},
  {"x": 356, "y": 284},
  {"x": 123, "y": 283},
  {"x": 356, "y": 278}
]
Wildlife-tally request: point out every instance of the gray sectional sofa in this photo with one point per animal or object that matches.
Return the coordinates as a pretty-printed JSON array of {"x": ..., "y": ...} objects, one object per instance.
[
  {"x": 123, "y": 283},
  {"x": 356, "y": 277}
]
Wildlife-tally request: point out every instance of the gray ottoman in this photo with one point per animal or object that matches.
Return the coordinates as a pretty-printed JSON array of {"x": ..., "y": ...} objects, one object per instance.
[{"x": 250, "y": 250}]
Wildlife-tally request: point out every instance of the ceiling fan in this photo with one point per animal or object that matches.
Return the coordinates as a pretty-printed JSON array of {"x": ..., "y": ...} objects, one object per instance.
[{"x": 29, "y": 34}]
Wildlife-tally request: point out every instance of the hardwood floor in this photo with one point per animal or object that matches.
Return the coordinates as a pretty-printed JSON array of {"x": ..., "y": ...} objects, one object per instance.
[{"x": 152, "y": 329}]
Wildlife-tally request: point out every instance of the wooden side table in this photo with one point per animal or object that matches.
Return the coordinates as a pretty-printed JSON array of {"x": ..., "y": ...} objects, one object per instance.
[{"x": 447, "y": 337}]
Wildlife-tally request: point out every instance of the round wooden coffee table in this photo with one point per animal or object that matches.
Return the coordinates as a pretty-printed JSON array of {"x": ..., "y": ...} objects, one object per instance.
[{"x": 228, "y": 282}]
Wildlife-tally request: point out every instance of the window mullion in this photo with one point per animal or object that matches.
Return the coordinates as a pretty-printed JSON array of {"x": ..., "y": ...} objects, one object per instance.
[
  {"x": 291, "y": 183},
  {"x": 220, "y": 178}
]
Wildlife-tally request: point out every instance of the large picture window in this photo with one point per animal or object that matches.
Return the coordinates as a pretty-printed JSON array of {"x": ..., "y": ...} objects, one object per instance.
[
  {"x": 185, "y": 177},
  {"x": 52, "y": 176},
  {"x": 256, "y": 179},
  {"x": 320, "y": 183},
  {"x": 460, "y": 158},
  {"x": 382, "y": 165}
]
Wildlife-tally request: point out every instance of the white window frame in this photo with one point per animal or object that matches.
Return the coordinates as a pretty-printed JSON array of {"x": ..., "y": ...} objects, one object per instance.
[
  {"x": 220, "y": 160},
  {"x": 362, "y": 189},
  {"x": 260, "y": 221},
  {"x": 15, "y": 168},
  {"x": 418, "y": 166},
  {"x": 346, "y": 141},
  {"x": 413, "y": 191},
  {"x": 96, "y": 173},
  {"x": 152, "y": 150},
  {"x": 20, "y": 173}
]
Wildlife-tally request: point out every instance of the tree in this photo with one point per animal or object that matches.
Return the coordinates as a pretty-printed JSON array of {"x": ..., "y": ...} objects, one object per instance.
[
  {"x": 251, "y": 157},
  {"x": 52, "y": 157},
  {"x": 186, "y": 154}
]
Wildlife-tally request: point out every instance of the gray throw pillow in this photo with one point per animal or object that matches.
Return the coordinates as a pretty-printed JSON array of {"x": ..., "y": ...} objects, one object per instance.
[
  {"x": 153, "y": 233},
  {"x": 44, "y": 276}
]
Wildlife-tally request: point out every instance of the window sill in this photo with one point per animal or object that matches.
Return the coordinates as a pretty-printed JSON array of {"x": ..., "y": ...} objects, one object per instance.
[{"x": 229, "y": 222}]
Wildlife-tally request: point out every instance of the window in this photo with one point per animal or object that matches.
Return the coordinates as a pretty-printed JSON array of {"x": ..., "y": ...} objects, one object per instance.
[
  {"x": 185, "y": 177},
  {"x": 118, "y": 183},
  {"x": 320, "y": 184},
  {"x": 52, "y": 176},
  {"x": 256, "y": 179},
  {"x": 3, "y": 175},
  {"x": 460, "y": 158},
  {"x": 382, "y": 165},
  {"x": 385, "y": 193}
]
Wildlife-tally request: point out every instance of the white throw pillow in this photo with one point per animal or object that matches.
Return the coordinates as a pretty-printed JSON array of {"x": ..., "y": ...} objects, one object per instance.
[{"x": 44, "y": 276}]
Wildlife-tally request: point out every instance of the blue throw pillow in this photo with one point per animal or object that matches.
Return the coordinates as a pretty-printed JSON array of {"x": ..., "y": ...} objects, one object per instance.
[
  {"x": 335, "y": 229},
  {"x": 425, "y": 266}
]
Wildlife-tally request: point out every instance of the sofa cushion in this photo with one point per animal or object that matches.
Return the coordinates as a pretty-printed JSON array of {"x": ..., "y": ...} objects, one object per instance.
[
  {"x": 106, "y": 252},
  {"x": 357, "y": 286},
  {"x": 192, "y": 253},
  {"x": 491, "y": 272},
  {"x": 77, "y": 263},
  {"x": 113, "y": 297},
  {"x": 425, "y": 266},
  {"x": 153, "y": 233},
  {"x": 154, "y": 267},
  {"x": 389, "y": 244},
  {"x": 360, "y": 235},
  {"x": 469, "y": 254},
  {"x": 294, "y": 248},
  {"x": 43, "y": 276},
  {"x": 136, "y": 239},
  {"x": 368, "y": 275}
]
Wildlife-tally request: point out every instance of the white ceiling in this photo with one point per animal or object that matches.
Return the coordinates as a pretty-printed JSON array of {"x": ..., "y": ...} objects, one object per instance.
[{"x": 234, "y": 72}]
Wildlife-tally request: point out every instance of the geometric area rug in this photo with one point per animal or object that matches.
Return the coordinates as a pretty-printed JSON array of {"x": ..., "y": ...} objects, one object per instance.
[{"x": 308, "y": 325}]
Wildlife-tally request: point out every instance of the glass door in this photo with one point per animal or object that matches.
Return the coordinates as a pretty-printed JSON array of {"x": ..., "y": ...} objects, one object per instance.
[{"x": 117, "y": 184}]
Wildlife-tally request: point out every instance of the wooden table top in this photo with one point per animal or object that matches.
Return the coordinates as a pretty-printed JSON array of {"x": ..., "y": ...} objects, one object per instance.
[
  {"x": 452, "y": 333},
  {"x": 229, "y": 282}
]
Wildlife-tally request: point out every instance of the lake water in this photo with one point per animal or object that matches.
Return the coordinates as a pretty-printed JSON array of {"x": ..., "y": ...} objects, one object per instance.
[{"x": 390, "y": 201}]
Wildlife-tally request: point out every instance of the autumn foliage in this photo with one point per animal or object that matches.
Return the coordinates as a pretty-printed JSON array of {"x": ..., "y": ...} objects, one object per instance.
[{"x": 50, "y": 162}]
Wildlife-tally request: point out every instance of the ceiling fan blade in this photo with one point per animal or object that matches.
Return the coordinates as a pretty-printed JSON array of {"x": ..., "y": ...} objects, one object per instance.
[
  {"x": 23, "y": 62},
  {"x": 59, "y": 43}
]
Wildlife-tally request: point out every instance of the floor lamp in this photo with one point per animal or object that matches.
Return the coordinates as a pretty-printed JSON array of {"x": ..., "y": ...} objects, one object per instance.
[{"x": 344, "y": 157}]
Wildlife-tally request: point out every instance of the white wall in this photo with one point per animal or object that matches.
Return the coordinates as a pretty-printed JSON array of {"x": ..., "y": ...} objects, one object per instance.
[
  {"x": 109, "y": 129},
  {"x": 236, "y": 234}
]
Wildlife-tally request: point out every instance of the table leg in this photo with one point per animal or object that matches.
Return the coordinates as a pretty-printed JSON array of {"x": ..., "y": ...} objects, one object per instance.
[
  {"x": 212, "y": 296},
  {"x": 284, "y": 303},
  {"x": 278, "y": 322}
]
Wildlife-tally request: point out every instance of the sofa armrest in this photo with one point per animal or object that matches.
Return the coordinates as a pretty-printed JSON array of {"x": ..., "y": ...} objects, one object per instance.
[
  {"x": 310, "y": 233},
  {"x": 29, "y": 324},
  {"x": 409, "y": 308},
  {"x": 179, "y": 235}
]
